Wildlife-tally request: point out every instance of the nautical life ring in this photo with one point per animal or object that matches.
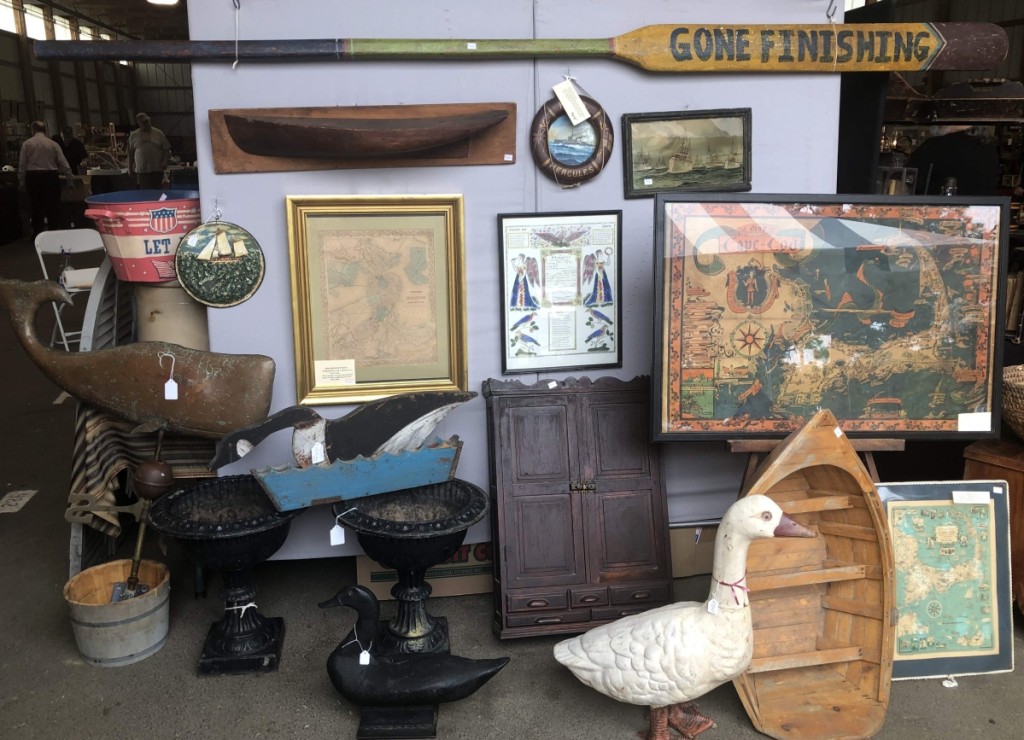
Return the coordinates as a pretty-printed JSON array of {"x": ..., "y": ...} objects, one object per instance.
[{"x": 570, "y": 155}]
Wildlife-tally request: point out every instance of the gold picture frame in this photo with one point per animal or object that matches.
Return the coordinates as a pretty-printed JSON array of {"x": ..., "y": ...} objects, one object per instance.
[{"x": 378, "y": 295}]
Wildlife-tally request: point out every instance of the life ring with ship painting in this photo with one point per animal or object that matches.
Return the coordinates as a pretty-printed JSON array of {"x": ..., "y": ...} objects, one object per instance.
[{"x": 571, "y": 155}]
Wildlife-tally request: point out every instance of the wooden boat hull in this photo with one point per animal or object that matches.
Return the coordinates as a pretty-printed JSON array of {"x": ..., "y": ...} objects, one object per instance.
[
  {"x": 822, "y": 608},
  {"x": 358, "y": 138}
]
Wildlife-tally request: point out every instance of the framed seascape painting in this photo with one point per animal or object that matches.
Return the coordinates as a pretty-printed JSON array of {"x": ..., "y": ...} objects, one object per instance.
[
  {"x": 686, "y": 151},
  {"x": 951, "y": 545},
  {"x": 378, "y": 296},
  {"x": 884, "y": 310},
  {"x": 561, "y": 303}
]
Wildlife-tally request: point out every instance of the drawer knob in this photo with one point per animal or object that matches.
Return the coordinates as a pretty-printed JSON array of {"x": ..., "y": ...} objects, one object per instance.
[
  {"x": 588, "y": 599},
  {"x": 537, "y": 603},
  {"x": 549, "y": 620},
  {"x": 638, "y": 595}
]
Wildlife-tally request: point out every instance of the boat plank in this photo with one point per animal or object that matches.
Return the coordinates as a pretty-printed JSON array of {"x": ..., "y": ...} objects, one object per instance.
[
  {"x": 809, "y": 658},
  {"x": 848, "y": 530},
  {"x": 874, "y": 572},
  {"x": 849, "y": 606},
  {"x": 823, "y": 502},
  {"x": 802, "y": 578},
  {"x": 784, "y": 640}
]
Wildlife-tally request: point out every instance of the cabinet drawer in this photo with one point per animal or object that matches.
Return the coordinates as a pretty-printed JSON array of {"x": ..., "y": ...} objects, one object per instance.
[
  {"x": 637, "y": 594},
  {"x": 588, "y": 597},
  {"x": 617, "y": 612},
  {"x": 539, "y": 601},
  {"x": 539, "y": 619}
]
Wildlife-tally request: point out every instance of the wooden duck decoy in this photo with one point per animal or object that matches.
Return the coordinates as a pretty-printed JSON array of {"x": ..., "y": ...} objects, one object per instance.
[
  {"x": 665, "y": 658},
  {"x": 216, "y": 392},
  {"x": 366, "y": 678}
]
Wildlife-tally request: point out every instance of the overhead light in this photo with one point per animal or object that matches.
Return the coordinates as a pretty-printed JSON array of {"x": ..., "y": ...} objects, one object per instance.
[{"x": 163, "y": 2}]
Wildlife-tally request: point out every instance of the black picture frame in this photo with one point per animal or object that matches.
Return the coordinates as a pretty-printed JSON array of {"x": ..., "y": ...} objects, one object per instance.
[
  {"x": 561, "y": 290},
  {"x": 686, "y": 151},
  {"x": 916, "y": 281}
]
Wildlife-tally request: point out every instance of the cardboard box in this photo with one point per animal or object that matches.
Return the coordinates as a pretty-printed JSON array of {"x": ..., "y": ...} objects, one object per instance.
[
  {"x": 693, "y": 550},
  {"x": 468, "y": 571}
]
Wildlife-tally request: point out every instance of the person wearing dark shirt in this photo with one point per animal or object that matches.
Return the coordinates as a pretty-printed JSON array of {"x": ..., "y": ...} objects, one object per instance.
[
  {"x": 957, "y": 153},
  {"x": 74, "y": 150}
]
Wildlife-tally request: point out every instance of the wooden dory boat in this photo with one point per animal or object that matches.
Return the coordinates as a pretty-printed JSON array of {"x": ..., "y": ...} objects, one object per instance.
[
  {"x": 822, "y": 608},
  {"x": 347, "y": 138}
]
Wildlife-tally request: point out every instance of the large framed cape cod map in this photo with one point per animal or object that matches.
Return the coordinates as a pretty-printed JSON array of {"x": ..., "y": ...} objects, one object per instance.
[{"x": 883, "y": 310}]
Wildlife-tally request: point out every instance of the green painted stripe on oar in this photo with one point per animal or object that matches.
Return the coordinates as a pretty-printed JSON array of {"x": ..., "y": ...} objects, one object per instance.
[{"x": 875, "y": 47}]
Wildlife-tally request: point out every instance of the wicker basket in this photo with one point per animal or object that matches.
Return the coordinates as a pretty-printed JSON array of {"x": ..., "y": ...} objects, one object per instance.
[{"x": 1013, "y": 398}]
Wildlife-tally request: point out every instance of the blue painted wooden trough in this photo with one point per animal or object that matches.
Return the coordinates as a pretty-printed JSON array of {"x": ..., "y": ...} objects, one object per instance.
[
  {"x": 382, "y": 446},
  {"x": 292, "y": 487}
]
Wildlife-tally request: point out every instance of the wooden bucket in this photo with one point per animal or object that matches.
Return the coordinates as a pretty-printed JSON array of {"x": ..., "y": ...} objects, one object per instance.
[{"x": 124, "y": 632}]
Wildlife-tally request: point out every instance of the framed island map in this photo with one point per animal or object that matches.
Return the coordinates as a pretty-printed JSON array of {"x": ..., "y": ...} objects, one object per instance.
[
  {"x": 951, "y": 544},
  {"x": 378, "y": 296},
  {"x": 884, "y": 310}
]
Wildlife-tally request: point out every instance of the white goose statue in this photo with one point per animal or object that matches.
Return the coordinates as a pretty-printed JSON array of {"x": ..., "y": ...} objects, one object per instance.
[{"x": 667, "y": 657}]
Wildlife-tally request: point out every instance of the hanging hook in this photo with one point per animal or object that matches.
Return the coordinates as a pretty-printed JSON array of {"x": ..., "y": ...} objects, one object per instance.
[
  {"x": 830, "y": 13},
  {"x": 161, "y": 356},
  {"x": 238, "y": 11}
]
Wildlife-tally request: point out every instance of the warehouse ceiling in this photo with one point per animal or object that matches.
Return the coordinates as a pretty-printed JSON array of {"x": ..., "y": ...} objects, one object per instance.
[{"x": 135, "y": 19}]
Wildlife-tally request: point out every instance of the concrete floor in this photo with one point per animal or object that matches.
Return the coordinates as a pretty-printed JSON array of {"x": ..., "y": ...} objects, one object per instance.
[{"x": 47, "y": 690}]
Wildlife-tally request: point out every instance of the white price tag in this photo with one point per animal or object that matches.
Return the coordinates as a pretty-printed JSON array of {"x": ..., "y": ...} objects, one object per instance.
[
  {"x": 318, "y": 454},
  {"x": 571, "y": 102},
  {"x": 171, "y": 390},
  {"x": 337, "y": 535},
  {"x": 364, "y": 657},
  {"x": 712, "y": 605},
  {"x": 971, "y": 497}
]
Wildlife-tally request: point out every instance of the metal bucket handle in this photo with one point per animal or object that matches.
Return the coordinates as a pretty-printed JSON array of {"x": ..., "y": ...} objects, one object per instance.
[{"x": 103, "y": 213}]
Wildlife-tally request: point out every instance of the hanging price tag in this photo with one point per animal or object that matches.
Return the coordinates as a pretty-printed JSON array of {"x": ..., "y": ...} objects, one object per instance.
[
  {"x": 364, "y": 657},
  {"x": 171, "y": 390},
  {"x": 337, "y": 535},
  {"x": 571, "y": 102},
  {"x": 712, "y": 605},
  {"x": 318, "y": 454}
]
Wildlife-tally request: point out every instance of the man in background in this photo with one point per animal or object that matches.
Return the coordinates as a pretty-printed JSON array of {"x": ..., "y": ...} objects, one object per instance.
[
  {"x": 148, "y": 153},
  {"x": 74, "y": 150},
  {"x": 40, "y": 165}
]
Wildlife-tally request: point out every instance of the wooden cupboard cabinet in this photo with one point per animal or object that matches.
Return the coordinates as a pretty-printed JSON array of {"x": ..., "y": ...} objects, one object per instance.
[{"x": 578, "y": 509}]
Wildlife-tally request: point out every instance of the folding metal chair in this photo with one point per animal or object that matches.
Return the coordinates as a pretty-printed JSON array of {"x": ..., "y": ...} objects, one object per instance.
[{"x": 67, "y": 242}]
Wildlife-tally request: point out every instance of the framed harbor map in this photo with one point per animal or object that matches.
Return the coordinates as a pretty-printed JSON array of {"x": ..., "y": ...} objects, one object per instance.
[
  {"x": 951, "y": 543},
  {"x": 561, "y": 290},
  {"x": 378, "y": 295},
  {"x": 884, "y": 310}
]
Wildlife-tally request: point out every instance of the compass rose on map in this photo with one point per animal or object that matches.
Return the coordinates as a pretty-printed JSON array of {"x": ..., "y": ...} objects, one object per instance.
[{"x": 749, "y": 338}]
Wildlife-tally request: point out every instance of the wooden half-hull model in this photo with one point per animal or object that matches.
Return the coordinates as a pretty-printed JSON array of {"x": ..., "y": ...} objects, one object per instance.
[
  {"x": 215, "y": 392},
  {"x": 346, "y": 138},
  {"x": 822, "y": 608},
  {"x": 362, "y": 136}
]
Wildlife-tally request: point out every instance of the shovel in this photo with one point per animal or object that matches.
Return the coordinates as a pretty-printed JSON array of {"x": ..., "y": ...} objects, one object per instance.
[{"x": 151, "y": 480}]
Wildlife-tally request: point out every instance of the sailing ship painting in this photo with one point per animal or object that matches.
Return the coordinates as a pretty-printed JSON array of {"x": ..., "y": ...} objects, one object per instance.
[
  {"x": 691, "y": 151},
  {"x": 571, "y": 145}
]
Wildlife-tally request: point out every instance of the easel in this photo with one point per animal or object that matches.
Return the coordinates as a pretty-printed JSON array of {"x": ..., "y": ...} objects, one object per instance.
[{"x": 757, "y": 448}]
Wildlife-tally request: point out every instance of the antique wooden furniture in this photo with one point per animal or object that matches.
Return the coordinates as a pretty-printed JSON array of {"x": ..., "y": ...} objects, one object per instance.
[
  {"x": 823, "y": 609},
  {"x": 578, "y": 510},
  {"x": 1003, "y": 459}
]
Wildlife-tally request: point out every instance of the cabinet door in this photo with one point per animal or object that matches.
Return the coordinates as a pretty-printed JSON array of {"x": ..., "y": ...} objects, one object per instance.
[
  {"x": 543, "y": 537},
  {"x": 625, "y": 511}
]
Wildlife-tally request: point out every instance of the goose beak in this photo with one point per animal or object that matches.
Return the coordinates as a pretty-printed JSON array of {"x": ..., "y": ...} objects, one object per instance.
[
  {"x": 790, "y": 528},
  {"x": 333, "y": 601}
]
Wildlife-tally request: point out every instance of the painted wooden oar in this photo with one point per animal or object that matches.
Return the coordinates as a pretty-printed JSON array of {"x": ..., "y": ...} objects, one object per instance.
[{"x": 881, "y": 47}]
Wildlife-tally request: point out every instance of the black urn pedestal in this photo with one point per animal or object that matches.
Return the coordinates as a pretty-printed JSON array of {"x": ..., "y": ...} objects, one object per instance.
[
  {"x": 411, "y": 531},
  {"x": 229, "y": 524}
]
